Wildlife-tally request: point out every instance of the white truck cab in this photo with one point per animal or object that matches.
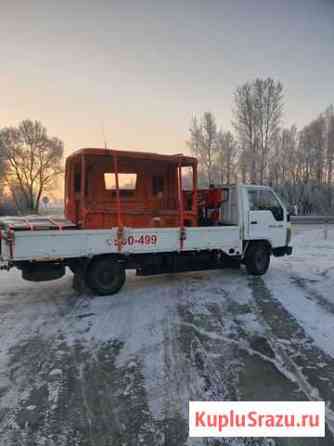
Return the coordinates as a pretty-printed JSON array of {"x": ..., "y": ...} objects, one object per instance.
[{"x": 265, "y": 216}]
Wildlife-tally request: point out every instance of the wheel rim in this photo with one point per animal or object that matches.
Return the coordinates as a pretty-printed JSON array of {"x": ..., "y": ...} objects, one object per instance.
[{"x": 106, "y": 277}]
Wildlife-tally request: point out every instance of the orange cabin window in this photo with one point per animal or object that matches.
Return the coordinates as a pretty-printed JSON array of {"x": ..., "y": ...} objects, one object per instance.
[{"x": 126, "y": 181}]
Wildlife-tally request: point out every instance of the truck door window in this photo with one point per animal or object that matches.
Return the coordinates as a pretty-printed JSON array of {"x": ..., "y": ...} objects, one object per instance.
[{"x": 265, "y": 200}]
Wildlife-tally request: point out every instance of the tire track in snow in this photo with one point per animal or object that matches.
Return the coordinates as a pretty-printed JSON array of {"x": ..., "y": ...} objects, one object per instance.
[
  {"x": 296, "y": 351},
  {"x": 213, "y": 353},
  {"x": 311, "y": 293}
]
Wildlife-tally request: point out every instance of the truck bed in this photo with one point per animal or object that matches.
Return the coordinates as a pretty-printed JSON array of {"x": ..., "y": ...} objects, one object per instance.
[{"x": 49, "y": 245}]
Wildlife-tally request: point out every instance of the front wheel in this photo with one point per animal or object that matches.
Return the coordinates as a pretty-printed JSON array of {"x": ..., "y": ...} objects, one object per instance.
[
  {"x": 105, "y": 275},
  {"x": 257, "y": 259}
]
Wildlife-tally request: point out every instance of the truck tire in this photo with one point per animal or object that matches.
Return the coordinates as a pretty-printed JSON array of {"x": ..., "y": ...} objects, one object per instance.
[
  {"x": 105, "y": 275},
  {"x": 257, "y": 259}
]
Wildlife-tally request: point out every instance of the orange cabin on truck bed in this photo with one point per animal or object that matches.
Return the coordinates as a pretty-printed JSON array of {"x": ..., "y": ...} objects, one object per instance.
[{"x": 108, "y": 188}]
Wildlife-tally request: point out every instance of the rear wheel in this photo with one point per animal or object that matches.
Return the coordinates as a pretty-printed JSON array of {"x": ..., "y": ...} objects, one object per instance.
[
  {"x": 105, "y": 275},
  {"x": 257, "y": 259}
]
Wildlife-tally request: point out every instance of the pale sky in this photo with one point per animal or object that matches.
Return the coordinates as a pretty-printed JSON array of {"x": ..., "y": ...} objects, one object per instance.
[{"x": 140, "y": 69}]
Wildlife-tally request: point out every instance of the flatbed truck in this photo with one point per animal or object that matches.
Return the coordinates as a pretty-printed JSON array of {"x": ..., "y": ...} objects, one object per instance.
[{"x": 130, "y": 210}]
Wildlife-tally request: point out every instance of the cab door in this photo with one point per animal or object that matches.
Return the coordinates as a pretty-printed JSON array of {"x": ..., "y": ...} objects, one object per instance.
[{"x": 266, "y": 216}]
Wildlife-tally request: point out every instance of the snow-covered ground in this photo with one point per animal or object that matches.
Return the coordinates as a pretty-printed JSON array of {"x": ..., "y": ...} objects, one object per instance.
[{"x": 120, "y": 370}]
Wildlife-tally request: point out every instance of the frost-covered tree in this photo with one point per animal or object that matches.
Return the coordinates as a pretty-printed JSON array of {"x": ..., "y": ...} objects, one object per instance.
[
  {"x": 258, "y": 107},
  {"x": 33, "y": 161},
  {"x": 299, "y": 164},
  {"x": 226, "y": 157},
  {"x": 245, "y": 127},
  {"x": 203, "y": 143}
]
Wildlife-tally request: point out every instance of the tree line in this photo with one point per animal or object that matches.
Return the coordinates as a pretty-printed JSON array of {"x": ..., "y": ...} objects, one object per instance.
[{"x": 297, "y": 163}]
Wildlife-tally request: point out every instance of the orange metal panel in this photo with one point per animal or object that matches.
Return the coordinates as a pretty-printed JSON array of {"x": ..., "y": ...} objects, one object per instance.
[{"x": 98, "y": 208}]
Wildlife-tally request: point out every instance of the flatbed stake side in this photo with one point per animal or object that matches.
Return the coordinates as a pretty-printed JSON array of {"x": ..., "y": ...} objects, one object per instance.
[{"x": 144, "y": 211}]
